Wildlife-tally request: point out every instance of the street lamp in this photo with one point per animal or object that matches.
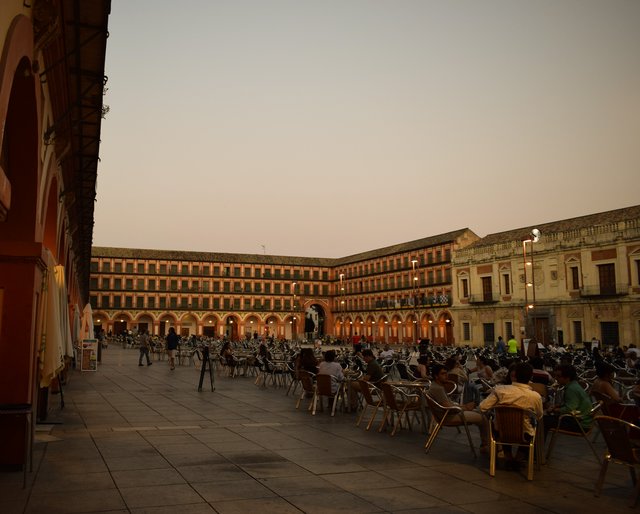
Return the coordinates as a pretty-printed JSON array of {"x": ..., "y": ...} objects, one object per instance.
[
  {"x": 416, "y": 285},
  {"x": 294, "y": 334},
  {"x": 529, "y": 279}
]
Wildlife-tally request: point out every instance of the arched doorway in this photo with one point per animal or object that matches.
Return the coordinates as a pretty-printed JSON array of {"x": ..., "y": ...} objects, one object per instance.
[
  {"x": 251, "y": 327},
  {"x": 144, "y": 322},
  {"x": 210, "y": 326},
  {"x": 188, "y": 325},
  {"x": 121, "y": 323},
  {"x": 231, "y": 328},
  {"x": 166, "y": 321},
  {"x": 314, "y": 318}
]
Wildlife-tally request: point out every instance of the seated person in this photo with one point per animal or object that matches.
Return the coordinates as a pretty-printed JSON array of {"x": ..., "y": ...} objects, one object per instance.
[
  {"x": 306, "y": 361},
  {"x": 540, "y": 375},
  {"x": 439, "y": 394},
  {"x": 373, "y": 374},
  {"x": 387, "y": 353},
  {"x": 613, "y": 404},
  {"x": 575, "y": 400},
  {"x": 470, "y": 391},
  {"x": 483, "y": 369},
  {"x": 422, "y": 369},
  {"x": 329, "y": 366},
  {"x": 517, "y": 394}
]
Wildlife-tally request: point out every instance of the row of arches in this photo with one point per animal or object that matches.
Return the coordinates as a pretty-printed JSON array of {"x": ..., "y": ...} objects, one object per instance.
[
  {"x": 383, "y": 328},
  {"x": 397, "y": 329}
]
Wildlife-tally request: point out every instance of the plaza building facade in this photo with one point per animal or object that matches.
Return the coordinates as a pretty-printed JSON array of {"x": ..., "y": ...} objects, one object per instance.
[
  {"x": 395, "y": 294},
  {"x": 52, "y": 81},
  {"x": 563, "y": 282}
]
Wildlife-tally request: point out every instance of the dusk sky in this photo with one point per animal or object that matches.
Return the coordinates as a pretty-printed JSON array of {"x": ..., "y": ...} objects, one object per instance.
[{"x": 328, "y": 128}]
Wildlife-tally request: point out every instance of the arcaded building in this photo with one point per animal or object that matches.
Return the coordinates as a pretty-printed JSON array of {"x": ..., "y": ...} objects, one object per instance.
[
  {"x": 564, "y": 282},
  {"x": 52, "y": 57},
  {"x": 394, "y": 294}
]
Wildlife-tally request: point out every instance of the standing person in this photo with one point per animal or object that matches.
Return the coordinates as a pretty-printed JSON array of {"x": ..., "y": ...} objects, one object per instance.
[
  {"x": 172, "y": 345},
  {"x": 144, "y": 347},
  {"x": 512, "y": 346},
  {"x": 501, "y": 347}
]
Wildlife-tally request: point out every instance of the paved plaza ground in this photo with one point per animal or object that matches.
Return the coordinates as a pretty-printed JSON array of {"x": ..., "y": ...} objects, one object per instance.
[{"x": 143, "y": 440}]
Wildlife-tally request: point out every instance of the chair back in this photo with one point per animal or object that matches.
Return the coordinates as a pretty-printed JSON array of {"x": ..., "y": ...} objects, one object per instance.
[
  {"x": 367, "y": 388},
  {"x": 509, "y": 422},
  {"x": 541, "y": 389},
  {"x": 389, "y": 396},
  {"x": 324, "y": 384},
  {"x": 308, "y": 381},
  {"x": 616, "y": 435}
]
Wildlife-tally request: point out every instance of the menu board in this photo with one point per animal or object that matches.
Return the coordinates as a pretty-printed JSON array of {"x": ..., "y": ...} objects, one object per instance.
[{"x": 89, "y": 355}]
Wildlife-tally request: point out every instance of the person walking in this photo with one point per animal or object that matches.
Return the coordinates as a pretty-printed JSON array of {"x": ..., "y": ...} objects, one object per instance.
[
  {"x": 143, "y": 338},
  {"x": 172, "y": 346}
]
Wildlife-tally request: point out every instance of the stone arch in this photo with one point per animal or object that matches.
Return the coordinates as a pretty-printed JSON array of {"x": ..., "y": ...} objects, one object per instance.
[
  {"x": 210, "y": 324},
  {"x": 165, "y": 321}
]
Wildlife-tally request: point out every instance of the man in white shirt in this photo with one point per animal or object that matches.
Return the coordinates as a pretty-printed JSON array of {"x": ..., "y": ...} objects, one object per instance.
[
  {"x": 518, "y": 394},
  {"x": 386, "y": 354}
]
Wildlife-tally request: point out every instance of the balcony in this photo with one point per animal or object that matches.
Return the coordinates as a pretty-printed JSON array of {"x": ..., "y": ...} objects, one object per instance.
[
  {"x": 604, "y": 290},
  {"x": 483, "y": 298}
]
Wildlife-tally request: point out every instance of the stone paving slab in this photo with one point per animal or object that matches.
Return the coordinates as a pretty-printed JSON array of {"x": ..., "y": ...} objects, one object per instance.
[{"x": 143, "y": 440}]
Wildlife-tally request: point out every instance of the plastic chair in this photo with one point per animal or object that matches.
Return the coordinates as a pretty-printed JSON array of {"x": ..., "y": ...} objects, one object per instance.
[
  {"x": 620, "y": 449},
  {"x": 509, "y": 424}
]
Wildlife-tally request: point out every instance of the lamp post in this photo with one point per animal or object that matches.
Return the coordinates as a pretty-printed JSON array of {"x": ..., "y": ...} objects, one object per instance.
[
  {"x": 529, "y": 280},
  {"x": 415, "y": 290},
  {"x": 294, "y": 331},
  {"x": 343, "y": 307}
]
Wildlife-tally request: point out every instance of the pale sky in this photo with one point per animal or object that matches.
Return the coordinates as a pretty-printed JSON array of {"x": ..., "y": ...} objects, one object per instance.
[{"x": 325, "y": 128}]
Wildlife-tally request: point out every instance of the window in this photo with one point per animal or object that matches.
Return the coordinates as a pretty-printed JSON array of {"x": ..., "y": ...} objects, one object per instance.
[
  {"x": 163, "y": 302},
  {"x": 105, "y": 302},
  {"x": 466, "y": 331},
  {"x": 185, "y": 269},
  {"x": 93, "y": 284},
  {"x": 129, "y": 267},
  {"x": 277, "y": 288},
  {"x": 140, "y": 267},
  {"x": 184, "y": 285},
  {"x": 163, "y": 285},
  {"x": 163, "y": 269},
  {"x": 610, "y": 333},
  {"x": 247, "y": 272},
  {"x": 152, "y": 268},
  {"x": 94, "y": 266},
  {"x": 465, "y": 287},
  {"x": 174, "y": 269},
  {"x": 508, "y": 329},
  {"x": 184, "y": 303},
  {"x": 173, "y": 302},
  {"x": 195, "y": 270},
  {"x": 140, "y": 284},
  {"x": 152, "y": 285},
  {"x": 129, "y": 284},
  {"x": 117, "y": 283},
  {"x": 206, "y": 270},
  {"x": 607, "y": 277},
  {"x": 117, "y": 302},
  {"x": 106, "y": 267},
  {"x": 216, "y": 303},
  {"x": 257, "y": 273},
  {"x": 577, "y": 332},
  {"x": 487, "y": 289},
  {"x": 574, "y": 277},
  {"x": 93, "y": 300},
  {"x": 506, "y": 284},
  {"x": 139, "y": 302},
  {"x": 205, "y": 303},
  {"x": 236, "y": 271},
  {"x": 151, "y": 302},
  {"x": 174, "y": 285},
  {"x": 488, "y": 330}
]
